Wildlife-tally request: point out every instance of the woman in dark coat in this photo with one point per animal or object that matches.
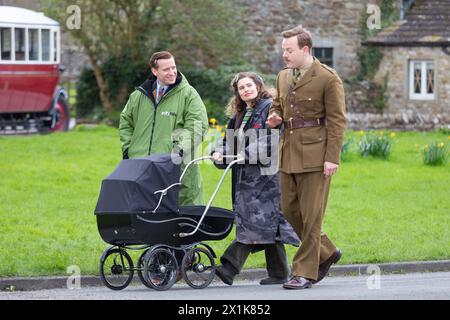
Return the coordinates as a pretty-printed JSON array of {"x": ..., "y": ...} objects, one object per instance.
[{"x": 260, "y": 224}]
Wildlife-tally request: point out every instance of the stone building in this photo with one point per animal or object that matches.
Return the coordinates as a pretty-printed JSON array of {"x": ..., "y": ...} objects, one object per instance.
[
  {"x": 416, "y": 64},
  {"x": 334, "y": 25}
]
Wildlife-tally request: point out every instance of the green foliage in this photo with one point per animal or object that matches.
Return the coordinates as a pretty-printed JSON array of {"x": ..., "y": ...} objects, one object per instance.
[
  {"x": 370, "y": 58},
  {"x": 122, "y": 76},
  {"x": 444, "y": 130},
  {"x": 380, "y": 99},
  {"x": 376, "y": 144},
  {"x": 346, "y": 148},
  {"x": 435, "y": 154},
  {"x": 88, "y": 103}
]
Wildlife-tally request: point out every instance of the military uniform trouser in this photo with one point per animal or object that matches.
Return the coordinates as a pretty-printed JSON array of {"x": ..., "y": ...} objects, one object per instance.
[
  {"x": 237, "y": 253},
  {"x": 303, "y": 201}
]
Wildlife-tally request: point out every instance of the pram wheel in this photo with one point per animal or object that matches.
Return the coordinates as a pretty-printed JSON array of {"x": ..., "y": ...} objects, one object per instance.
[
  {"x": 116, "y": 268},
  {"x": 160, "y": 269},
  {"x": 198, "y": 268}
]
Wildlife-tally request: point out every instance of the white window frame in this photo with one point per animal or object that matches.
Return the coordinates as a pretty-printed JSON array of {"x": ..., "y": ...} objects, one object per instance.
[
  {"x": 423, "y": 95},
  {"x": 52, "y": 29}
]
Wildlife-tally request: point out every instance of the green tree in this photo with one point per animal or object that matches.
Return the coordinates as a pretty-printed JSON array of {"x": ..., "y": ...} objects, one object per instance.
[{"x": 198, "y": 32}]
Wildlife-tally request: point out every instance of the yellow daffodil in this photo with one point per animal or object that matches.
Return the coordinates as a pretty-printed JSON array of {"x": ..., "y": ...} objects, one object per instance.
[{"x": 392, "y": 135}]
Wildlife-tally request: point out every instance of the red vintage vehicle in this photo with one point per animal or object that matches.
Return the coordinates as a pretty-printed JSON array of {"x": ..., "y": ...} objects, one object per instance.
[{"x": 30, "y": 98}]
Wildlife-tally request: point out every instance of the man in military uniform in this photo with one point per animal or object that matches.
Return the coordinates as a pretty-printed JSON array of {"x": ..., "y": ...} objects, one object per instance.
[{"x": 310, "y": 104}]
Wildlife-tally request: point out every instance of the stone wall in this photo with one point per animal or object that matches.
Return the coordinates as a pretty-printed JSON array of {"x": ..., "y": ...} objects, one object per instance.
[{"x": 333, "y": 23}]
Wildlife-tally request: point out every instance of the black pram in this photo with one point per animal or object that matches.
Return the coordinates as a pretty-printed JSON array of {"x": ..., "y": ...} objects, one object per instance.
[{"x": 135, "y": 212}]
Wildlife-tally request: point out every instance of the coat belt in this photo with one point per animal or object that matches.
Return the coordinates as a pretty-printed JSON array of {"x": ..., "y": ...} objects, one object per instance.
[{"x": 304, "y": 123}]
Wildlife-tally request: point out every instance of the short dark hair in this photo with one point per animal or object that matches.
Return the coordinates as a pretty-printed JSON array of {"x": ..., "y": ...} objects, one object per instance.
[
  {"x": 304, "y": 37},
  {"x": 159, "y": 55}
]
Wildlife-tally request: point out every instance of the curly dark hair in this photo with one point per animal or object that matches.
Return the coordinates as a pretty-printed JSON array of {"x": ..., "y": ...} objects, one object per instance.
[{"x": 236, "y": 104}]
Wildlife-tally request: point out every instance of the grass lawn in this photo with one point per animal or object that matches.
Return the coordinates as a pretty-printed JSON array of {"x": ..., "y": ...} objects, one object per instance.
[{"x": 378, "y": 211}]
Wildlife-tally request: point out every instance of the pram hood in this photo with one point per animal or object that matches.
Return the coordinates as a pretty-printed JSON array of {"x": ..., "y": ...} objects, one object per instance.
[{"x": 130, "y": 188}]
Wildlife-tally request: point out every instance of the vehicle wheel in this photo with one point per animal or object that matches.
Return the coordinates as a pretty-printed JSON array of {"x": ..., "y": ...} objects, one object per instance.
[
  {"x": 198, "y": 268},
  {"x": 140, "y": 269},
  {"x": 116, "y": 269},
  {"x": 160, "y": 269},
  {"x": 61, "y": 115}
]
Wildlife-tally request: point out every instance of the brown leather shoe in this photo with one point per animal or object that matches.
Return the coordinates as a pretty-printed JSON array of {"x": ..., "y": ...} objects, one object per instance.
[
  {"x": 298, "y": 283},
  {"x": 325, "y": 266}
]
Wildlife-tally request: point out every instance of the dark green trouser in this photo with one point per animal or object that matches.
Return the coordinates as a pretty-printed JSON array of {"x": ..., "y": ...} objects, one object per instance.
[{"x": 276, "y": 260}]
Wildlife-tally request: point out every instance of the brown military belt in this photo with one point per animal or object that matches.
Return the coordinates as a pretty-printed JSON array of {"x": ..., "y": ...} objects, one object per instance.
[{"x": 304, "y": 123}]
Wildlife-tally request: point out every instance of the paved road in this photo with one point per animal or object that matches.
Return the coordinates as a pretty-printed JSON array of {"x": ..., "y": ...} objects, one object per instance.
[{"x": 408, "y": 286}]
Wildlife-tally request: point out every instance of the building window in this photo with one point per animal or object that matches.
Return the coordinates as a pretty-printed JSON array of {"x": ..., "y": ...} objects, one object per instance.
[
  {"x": 421, "y": 80},
  {"x": 325, "y": 55}
]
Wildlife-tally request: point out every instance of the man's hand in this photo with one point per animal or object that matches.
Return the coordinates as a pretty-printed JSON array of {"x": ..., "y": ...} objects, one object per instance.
[
  {"x": 274, "y": 120},
  {"x": 329, "y": 168}
]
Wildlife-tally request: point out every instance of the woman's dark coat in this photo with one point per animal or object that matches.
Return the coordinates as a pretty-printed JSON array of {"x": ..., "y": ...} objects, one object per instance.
[{"x": 256, "y": 196}]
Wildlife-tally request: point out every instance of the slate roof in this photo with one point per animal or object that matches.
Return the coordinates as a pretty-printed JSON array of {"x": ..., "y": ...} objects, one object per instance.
[{"x": 427, "y": 23}]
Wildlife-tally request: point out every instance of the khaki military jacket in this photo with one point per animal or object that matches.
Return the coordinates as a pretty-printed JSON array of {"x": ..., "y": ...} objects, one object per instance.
[{"x": 319, "y": 93}]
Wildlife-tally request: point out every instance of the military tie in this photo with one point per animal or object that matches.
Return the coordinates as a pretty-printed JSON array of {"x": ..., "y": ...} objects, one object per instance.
[{"x": 296, "y": 76}]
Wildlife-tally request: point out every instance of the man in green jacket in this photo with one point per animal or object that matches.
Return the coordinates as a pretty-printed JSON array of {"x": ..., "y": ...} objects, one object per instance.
[{"x": 163, "y": 115}]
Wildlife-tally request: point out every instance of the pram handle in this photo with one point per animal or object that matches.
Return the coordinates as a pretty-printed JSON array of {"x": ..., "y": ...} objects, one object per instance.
[
  {"x": 232, "y": 163},
  {"x": 164, "y": 191}
]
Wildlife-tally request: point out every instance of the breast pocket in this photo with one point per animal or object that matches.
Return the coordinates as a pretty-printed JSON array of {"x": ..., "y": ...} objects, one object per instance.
[
  {"x": 313, "y": 147},
  {"x": 310, "y": 106}
]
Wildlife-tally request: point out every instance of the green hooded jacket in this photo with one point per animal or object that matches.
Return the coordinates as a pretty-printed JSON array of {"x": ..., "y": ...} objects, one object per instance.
[{"x": 178, "y": 121}]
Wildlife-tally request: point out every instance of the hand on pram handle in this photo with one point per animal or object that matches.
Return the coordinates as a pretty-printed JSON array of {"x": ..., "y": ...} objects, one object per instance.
[
  {"x": 217, "y": 156},
  {"x": 163, "y": 192}
]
